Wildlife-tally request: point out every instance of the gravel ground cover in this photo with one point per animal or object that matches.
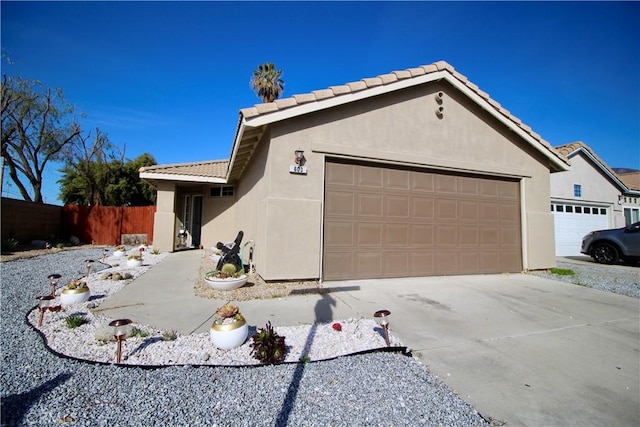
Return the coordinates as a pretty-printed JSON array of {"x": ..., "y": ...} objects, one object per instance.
[
  {"x": 40, "y": 388},
  {"x": 619, "y": 281}
]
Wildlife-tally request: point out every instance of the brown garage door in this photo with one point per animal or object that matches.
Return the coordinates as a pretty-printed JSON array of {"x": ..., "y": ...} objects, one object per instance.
[{"x": 382, "y": 222}]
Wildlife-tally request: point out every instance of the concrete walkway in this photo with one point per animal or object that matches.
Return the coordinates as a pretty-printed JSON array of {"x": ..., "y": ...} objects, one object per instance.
[{"x": 521, "y": 349}]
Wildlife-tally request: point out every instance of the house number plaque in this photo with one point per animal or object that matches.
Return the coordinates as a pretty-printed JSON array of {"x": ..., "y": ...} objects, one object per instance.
[{"x": 297, "y": 169}]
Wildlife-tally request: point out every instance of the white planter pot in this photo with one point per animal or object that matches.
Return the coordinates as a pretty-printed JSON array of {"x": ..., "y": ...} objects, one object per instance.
[
  {"x": 74, "y": 296},
  {"x": 226, "y": 284},
  {"x": 232, "y": 335},
  {"x": 134, "y": 263},
  {"x": 118, "y": 254}
]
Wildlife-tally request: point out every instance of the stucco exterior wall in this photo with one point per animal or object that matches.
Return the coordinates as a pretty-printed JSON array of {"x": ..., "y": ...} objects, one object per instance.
[
  {"x": 402, "y": 128},
  {"x": 596, "y": 187},
  {"x": 164, "y": 218}
]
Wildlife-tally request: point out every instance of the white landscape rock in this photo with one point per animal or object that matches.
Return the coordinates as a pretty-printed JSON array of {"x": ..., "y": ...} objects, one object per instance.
[{"x": 318, "y": 341}]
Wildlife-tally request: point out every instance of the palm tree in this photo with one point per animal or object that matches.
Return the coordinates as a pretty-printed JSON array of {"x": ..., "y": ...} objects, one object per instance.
[{"x": 266, "y": 82}]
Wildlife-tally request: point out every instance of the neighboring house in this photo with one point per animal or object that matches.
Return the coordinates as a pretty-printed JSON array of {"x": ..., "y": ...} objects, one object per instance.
[
  {"x": 590, "y": 196},
  {"x": 413, "y": 173},
  {"x": 630, "y": 200}
]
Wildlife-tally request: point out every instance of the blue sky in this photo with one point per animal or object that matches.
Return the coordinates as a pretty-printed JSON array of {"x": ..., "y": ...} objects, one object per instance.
[{"x": 169, "y": 78}]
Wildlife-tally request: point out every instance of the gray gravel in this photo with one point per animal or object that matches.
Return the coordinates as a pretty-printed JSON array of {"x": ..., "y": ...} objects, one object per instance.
[
  {"x": 616, "y": 279},
  {"x": 41, "y": 389}
]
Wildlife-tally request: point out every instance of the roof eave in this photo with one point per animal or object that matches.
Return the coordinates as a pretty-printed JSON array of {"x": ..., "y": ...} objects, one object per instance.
[{"x": 184, "y": 178}]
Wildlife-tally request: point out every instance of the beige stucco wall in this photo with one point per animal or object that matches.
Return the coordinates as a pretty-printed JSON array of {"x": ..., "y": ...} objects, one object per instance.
[
  {"x": 596, "y": 187},
  {"x": 164, "y": 218},
  {"x": 284, "y": 211}
]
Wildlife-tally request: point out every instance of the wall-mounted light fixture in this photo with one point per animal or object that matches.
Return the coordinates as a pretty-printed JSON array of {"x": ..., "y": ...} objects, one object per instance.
[
  {"x": 299, "y": 157},
  {"x": 440, "y": 112},
  {"x": 439, "y": 97}
]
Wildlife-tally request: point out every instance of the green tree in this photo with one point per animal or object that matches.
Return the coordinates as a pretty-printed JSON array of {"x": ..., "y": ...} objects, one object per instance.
[
  {"x": 128, "y": 189},
  {"x": 267, "y": 82},
  {"x": 123, "y": 187},
  {"x": 37, "y": 124}
]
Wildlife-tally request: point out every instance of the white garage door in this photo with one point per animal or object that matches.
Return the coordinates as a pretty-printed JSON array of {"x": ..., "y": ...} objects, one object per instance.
[{"x": 573, "y": 222}]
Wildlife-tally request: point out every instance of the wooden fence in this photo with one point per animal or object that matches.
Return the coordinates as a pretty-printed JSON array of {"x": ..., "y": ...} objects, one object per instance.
[
  {"x": 102, "y": 225},
  {"x": 105, "y": 225}
]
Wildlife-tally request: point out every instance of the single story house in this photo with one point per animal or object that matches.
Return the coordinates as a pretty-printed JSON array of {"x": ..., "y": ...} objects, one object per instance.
[
  {"x": 413, "y": 173},
  {"x": 590, "y": 196}
]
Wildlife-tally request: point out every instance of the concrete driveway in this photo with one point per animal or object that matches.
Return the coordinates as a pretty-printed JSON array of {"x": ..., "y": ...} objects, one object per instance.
[{"x": 521, "y": 349}]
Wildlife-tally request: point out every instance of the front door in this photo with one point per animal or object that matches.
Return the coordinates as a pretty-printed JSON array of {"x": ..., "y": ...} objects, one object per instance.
[{"x": 193, "y": 219}]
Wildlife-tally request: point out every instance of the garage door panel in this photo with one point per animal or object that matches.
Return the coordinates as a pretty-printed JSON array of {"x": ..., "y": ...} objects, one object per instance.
[
  {"x": 422, "y": 208},
  {"x": 467, "y": 186},
  {"x": 369, "y": 205},
  {"x": 409, "y": 222},
  {"x": 422, "y": 183},
  {"x": 488, "y": 188},
  {"x": 368, "y": 234},
  {"x": 396, "y": 264},
  {"x": 446, "y": 235},
  {"x": 468, "y": 236},
  {"x": 369, "y": 177},
  {"x": 508, "y": 191},
  {"x": 340, "y": 203},
  {"x": 422, "y": 235},
  {"x": 446, "y": 184},
  {"x": 489, "y": 261},
  {"x": 468, "y": 262},
  {"x": 509, "y": 237},
  {"x": 489, "y": 212},
  {"x": 397, "y": 180},
  {"x": 509, "y": 213},
  {"x": 446, "y": 262},
  {"x": 339, "y": 264},
  {"x": 489, "y": 236},
  {"x": 341, "y": 174},
  {"x": 469, "y": 210},
  {"x": 446, "y": 209},
  {"x": 339, "y": 234},
  {"x": 396, "y": 235},
  {"x": 422, "y": 264},
  {"x": 368, "y": 264},
  {"x": 396, "y": 206}
]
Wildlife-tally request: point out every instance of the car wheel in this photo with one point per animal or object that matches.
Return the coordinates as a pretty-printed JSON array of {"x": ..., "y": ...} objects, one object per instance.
[{"x": 605, "y": 253}]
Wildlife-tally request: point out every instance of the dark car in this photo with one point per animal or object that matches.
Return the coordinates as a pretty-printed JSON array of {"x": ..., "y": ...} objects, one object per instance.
[{"x": 610, "y": 246}]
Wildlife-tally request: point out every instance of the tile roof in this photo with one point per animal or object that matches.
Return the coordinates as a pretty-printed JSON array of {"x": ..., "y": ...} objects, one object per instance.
[
  {"x": 206, "y": 169},
  {"x": 393, "y": 78},
  {"x": 631, "y": 180}
]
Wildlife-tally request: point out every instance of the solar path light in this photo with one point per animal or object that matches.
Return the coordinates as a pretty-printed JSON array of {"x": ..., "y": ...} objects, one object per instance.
[
  {"x": 53, "y": 278},
  {"x": 120, "y": 331},
  {"x": 43, "y": 304},
  {"x": 381, "y": 317},
  {"x": 89, "y": 263}
]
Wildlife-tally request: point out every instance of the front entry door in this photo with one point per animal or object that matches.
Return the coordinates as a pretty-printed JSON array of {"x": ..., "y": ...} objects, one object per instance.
[{"x": 193, "y": 219}]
